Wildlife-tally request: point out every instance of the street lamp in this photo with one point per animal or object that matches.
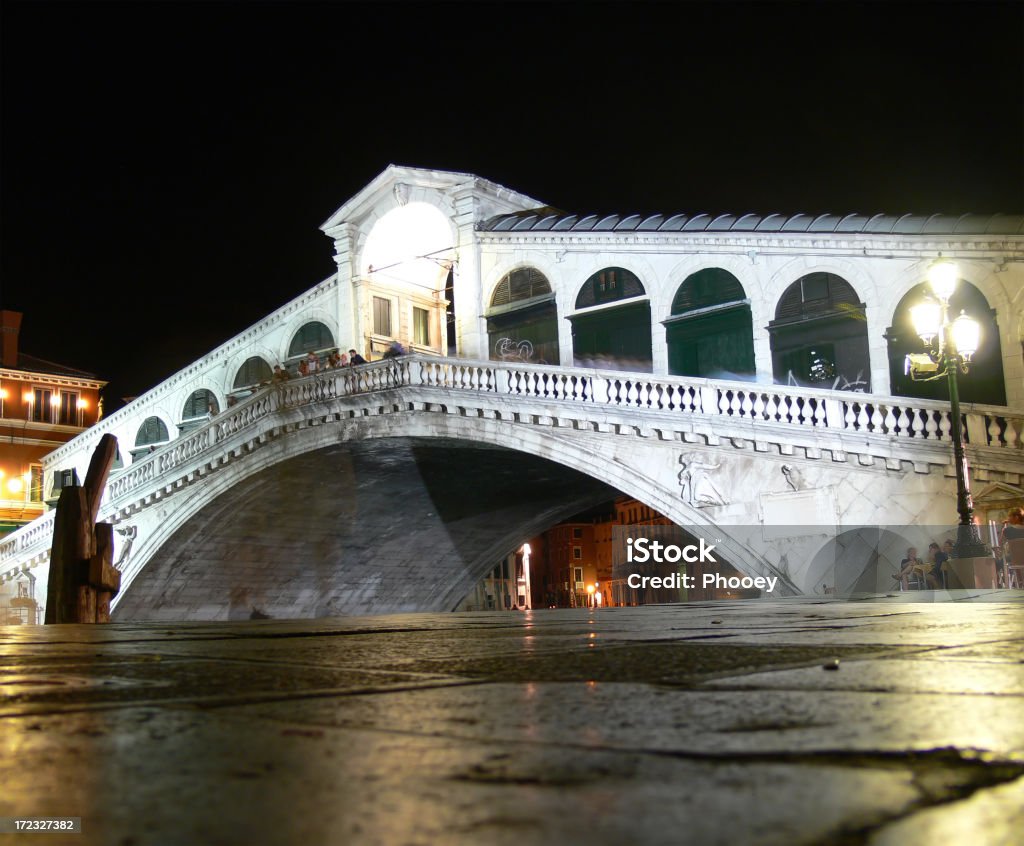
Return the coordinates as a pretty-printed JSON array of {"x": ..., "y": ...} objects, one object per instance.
[{"x": 949, "y": 345}]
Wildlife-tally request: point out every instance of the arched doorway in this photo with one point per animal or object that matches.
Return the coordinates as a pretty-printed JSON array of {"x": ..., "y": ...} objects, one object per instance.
[
  {"x": 522, "y": 319},
  {"x": 710, "y": 332},
  {"x": 984, "y": 383},
  {"x": 404, "y": 267},
  {"x": 819, "y": 337},
  {"x": 612, "y": 324}
]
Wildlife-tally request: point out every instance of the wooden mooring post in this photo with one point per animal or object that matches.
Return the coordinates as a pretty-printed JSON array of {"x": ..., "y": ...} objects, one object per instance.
[{"x": 83, "y": 579}]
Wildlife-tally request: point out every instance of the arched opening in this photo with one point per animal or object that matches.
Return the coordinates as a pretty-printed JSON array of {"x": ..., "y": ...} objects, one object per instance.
[
  {"x": 710, "y": 332},
  {"x": 198, "y": 409},
  {"x": 819, "y": 337},
  {"x": 342, "y": 551},
  {"x": 984, "y": 382},
  {"x": 152, "y": 434},
  {"x": 612, "y": 325},
  {"x": 405, "y": 264},
  {"x": 313, "y": 336},
  {"x": 522, "y": 319},
  {"x": 252, "y": 373}
]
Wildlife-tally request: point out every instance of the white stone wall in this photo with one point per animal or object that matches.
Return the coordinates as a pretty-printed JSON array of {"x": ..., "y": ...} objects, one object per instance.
[{"x": 880, "y": 271}]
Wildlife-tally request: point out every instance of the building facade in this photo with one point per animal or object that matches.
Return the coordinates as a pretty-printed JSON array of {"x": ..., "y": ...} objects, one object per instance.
[{"x": 43, "y": 405}]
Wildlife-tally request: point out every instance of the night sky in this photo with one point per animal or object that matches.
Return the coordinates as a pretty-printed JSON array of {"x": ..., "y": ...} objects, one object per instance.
[{"x": 165, "y": 167}]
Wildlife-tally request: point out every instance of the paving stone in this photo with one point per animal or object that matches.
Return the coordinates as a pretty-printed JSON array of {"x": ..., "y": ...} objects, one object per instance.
[{"x": 647, "y": 725}]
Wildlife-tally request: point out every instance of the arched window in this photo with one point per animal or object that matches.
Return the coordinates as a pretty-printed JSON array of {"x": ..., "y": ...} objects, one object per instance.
[
  {"x": 609, "y": 285},
  {"x": 710, "y": 332},
  {"x": 618, "y": 337},
  {"x": 523, "y": 283},
  {"x": 819, "y": 337},
  {"x": 522, "y": 321},
  {"x": 311, "y": 336},
  {"x": 814, "y": 295},
  {"x": 200, "y": 404},
  {"x": 705, "y": 288},
  {"x": 983, "y": 383},
  {"x": 152, "y": 431},
  {"x": 254, "y": 371}
]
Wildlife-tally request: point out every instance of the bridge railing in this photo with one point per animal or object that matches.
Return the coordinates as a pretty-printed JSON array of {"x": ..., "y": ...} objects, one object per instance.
[
  {"x": 900, "y": 417},
  {"x": 894, "y": 417}
]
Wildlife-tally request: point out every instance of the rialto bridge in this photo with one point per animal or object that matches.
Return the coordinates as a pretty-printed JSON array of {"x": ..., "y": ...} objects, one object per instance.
[{"x": 728, "y": 372}]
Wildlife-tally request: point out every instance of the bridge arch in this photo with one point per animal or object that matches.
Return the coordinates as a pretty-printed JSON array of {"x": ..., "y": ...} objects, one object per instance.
[{"x": 183, "y": 533}]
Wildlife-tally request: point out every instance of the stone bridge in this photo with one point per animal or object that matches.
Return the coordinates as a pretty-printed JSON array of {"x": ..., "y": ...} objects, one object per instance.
[{"x": 396, "y": 485}]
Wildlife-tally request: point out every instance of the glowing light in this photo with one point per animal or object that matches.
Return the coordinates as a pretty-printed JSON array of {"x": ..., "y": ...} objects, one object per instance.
[
  {"x": 29, "y": 397},
  {"x": 55, "y": 400},
  {"x": 943, "y": 275},
  {"x": 3, "y": 393},
  {"x": 83, "y": 404},
  {"x": 927, "y": 319},
  {"x": 407, "y": 246},
  {"x": 966, "y": 335},
  {"x": 15, "y": 485}
]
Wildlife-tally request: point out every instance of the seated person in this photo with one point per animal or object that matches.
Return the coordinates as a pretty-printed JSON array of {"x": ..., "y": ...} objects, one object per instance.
[
  {"x": 355, "y": 358},
  {"x": 1013, "y": 528},
  {"x": 908, "y": 567},
  {"x": 937, "y": 557}
]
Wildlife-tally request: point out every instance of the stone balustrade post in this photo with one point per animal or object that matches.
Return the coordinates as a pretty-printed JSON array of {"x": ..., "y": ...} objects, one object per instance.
[
  {"x": 709, "y": 400},
  {"x": 977, "y": 431}
]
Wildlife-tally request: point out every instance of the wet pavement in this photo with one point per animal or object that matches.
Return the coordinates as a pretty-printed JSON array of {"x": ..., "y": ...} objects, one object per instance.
[{"x": 711, "y": 723}]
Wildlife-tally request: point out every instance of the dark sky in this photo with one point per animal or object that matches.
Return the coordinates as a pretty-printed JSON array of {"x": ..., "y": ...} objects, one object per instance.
[{"x": 165, "y": 166}]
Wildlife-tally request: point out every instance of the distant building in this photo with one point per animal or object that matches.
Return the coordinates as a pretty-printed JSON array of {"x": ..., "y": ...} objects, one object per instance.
[
  {"x": 43, "y": 405},
  {"x": 507, "y": 587}
]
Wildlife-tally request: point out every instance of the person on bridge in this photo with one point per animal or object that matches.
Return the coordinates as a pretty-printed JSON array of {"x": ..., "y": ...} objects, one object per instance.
[
  {"x": 395, "y": 350},
  {"x": 355, "y": 358},
  {"x": 312, "y": 361}
]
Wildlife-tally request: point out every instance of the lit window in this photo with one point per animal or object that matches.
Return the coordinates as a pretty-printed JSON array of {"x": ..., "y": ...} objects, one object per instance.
[
  {"x": 40, "y": 410},
  {"x": 68, "y": 412},
  {"x": 35, "y": 483}
]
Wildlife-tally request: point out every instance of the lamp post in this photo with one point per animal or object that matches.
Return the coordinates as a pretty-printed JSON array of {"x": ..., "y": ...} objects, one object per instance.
[{"x": 950, "y": 345}]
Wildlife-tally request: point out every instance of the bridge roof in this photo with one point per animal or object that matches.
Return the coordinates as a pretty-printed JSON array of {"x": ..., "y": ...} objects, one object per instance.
[{"x": 551, "y": 220}]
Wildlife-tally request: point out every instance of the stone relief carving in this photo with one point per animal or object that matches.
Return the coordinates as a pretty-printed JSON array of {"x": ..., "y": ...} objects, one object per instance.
[
  {"x": 794, "y": 477},
  {"x": 401, "y": 193},
  {"x": 697, "y": 487},
  {"x": 129, "y": 533}
]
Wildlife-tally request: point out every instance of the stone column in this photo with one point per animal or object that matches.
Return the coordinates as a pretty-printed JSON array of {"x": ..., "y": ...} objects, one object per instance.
[
  {"x": 763, "y": 372},
  {"x": 345, "y": 236},
  {"x": 470, "y": 326},
  {"x": 878, "y": 350}
]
